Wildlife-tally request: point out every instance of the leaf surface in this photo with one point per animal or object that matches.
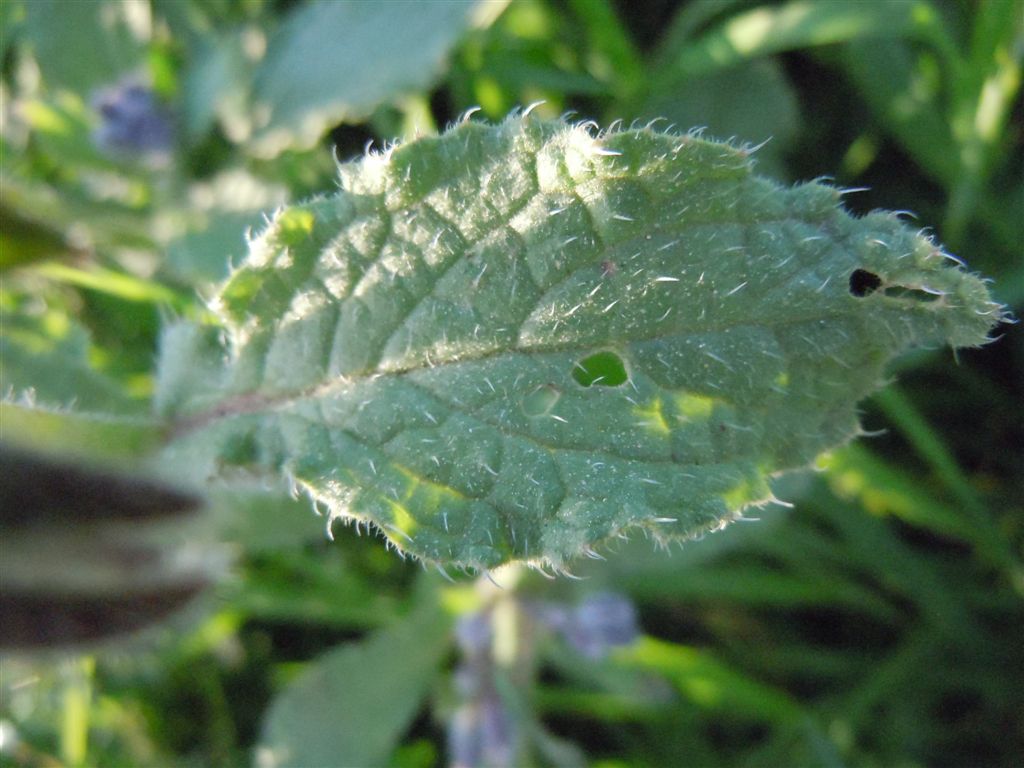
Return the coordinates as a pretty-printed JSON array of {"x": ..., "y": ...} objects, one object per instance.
[
  {"x": 513, "y": 342},
  {"x": 372, "y": 690},
  {"x": 44, "y": 357},
  {"x": 339, "y": 60}
]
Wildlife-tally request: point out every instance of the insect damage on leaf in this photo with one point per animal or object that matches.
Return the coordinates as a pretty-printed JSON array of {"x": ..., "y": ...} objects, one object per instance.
[{"x": 514, "y": 342}]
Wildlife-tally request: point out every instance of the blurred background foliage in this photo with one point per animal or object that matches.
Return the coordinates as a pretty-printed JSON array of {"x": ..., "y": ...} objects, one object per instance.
[{"x": 876, "y": 622}]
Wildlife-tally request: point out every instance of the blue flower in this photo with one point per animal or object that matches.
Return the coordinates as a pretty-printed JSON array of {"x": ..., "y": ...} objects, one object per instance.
[
  {"x": 602, "y": 621},
  {"x": 132, "y": 120}
]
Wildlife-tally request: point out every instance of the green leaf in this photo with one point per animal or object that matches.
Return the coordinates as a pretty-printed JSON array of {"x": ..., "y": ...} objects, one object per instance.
[
  {"x": 767, "y": 30},
  {"x": 70, "y": 212},
  {"x": 259, "y": 520},
  {"x": 84, "y": 44},
  {"x": 335, "y": 61},
  {"x": 24, "y": 238},
  {"x": 202, "y": 257},
  {"x": 686, "y": 24},
  {"x": 904, "y": 93},
  {"x": 371, "y": 689},
  {"x": 45, "y": 357},
  {"x": 711, "y": 684},
  {"x": 291, "y": 586},
  {"x": 216, "y": 86},
  {"x": 752, "y": 99},
  {"x": 613, "y": 52},
  {"x": 881, "y": 489},
  {"x": 409, "y": 351},
  {"x": 96, "y": 437}
]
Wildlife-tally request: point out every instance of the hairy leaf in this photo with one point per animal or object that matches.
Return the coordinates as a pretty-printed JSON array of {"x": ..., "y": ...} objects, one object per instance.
[{"x": 513, "y": 342}]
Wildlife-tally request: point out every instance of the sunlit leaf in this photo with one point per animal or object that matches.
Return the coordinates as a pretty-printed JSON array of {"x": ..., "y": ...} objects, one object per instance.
[
  {"x": 711, "y": 684},
  {"x": 798, "y": 24},
  {"x": 409, "y": 351}
]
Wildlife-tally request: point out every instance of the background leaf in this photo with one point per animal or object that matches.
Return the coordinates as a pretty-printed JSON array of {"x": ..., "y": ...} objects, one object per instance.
[
  {"x": 44, "y": 356},
  {"x": 84, "y": 44},
  {"x": 752, "y": 100},
  {"x": 334, "y": 61},
  {"x": 770, "y": 29},
  {"x": 373, "y": 689}
]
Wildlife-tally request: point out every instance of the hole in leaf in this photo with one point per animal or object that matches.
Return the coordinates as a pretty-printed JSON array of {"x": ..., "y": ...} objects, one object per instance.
[
  {"x": 917, "y": 294},
  {"x": 863, "y": 282},
  {"x": 604, "y": 369}
]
